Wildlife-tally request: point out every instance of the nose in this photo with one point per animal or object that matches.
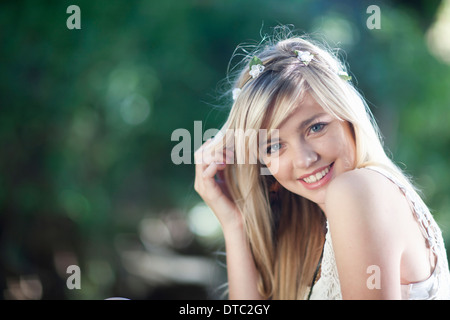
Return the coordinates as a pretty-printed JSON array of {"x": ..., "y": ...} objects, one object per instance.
[{"x": 304, "y": 156}]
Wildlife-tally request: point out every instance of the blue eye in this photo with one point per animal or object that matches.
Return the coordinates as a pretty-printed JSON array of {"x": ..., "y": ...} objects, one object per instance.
[
  {"x": 317, "y": 127},
  {"x": 273, "y": 148}
]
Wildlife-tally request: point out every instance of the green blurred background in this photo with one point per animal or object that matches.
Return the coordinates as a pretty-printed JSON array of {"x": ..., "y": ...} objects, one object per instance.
[{"x": 86, "y": 118}]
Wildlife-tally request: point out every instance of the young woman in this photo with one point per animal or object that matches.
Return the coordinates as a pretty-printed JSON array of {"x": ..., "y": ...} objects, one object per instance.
[{"x": 334, "y": 218}]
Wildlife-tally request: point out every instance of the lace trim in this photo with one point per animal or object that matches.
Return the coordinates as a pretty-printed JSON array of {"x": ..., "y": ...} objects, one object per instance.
[
  {"x": 430, "y": 231},
  {"x": 328, "y": 286}
]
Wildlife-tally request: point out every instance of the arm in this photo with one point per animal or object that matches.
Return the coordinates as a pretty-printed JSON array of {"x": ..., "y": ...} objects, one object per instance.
[
  {"x": 365, "y": 231},
  {"x": 242, "y": 273}
]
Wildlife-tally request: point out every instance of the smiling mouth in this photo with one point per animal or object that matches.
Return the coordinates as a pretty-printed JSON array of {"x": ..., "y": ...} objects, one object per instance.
[{"x": 317, "y": 176}]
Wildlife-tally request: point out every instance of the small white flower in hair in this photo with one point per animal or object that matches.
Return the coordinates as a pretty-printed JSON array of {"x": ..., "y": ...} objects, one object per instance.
[
  {"x": 305, "y": 57},
  {"x": 236, "y": 92},
  {"x": 256, "y": 67},
  {"x": 256, "y": 70}
]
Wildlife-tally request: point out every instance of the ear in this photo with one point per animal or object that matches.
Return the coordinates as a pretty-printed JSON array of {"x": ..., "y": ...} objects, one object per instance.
[{"x": 352, "y": 130}]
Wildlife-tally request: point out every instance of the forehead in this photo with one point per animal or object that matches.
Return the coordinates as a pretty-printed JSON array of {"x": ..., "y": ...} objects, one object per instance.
[{"x": 306, "y": 110}]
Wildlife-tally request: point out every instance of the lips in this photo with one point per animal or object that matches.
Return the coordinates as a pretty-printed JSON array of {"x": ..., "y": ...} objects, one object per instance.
[{"x": 317, "y": 178}]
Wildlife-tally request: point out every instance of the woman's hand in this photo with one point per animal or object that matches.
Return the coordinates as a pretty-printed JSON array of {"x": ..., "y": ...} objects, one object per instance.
[
  {"x": 242, "y": 274},
  {"x": 210, "y": 184}
]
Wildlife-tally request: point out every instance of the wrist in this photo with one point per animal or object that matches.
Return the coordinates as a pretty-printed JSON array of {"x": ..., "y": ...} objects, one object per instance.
[{"x": 234, "y": 230}]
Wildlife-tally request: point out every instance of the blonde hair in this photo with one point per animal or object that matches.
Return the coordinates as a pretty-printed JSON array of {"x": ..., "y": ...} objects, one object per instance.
[{"x": 286, "y": 237}]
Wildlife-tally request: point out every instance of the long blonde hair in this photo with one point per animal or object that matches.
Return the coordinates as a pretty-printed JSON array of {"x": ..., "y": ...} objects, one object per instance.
[{"x": 286, "y": 236}]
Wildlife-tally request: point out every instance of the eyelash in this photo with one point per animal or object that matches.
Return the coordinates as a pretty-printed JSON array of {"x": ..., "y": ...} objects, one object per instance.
[
  {"x": 321, "y": 124},
  {"x": 270, "y": 147},
  {"x": 310, "y": 129}
]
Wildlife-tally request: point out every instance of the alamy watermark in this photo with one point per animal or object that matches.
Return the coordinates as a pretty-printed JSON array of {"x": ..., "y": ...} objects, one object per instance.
[
  {"x": 74, "y": 280},
  {"x": 74, "y": 20},
  {"x": 374, "y": 280},
  {"x": 253, "y": 146},
  {"x": 374, "y": 20}
]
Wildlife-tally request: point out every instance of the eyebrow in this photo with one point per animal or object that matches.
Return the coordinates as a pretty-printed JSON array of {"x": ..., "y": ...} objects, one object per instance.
[{"x": 308, "y": 121}]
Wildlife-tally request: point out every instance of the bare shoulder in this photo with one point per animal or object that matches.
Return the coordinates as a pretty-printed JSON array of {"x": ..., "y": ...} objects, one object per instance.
[
  {"x": 363, "y": 192},
  {"x": 358, "y": 178},
  {"x": 362, "y": 210},
  {"x": 362, "y": 185}
]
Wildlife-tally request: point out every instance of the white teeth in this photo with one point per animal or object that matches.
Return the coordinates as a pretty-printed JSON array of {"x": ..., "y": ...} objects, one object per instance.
[{"x": 316, "y": 177}]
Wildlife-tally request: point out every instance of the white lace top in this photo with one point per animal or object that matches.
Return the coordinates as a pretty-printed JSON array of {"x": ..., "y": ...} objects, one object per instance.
[{"x": 437, "y": 286}]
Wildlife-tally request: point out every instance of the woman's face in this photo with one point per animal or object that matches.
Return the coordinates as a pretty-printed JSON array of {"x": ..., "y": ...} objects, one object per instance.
[{"x": 313, "y": 148}]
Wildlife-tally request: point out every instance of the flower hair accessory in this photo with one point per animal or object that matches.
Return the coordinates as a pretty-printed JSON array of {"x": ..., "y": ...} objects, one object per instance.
[
  {"x": 256, "y": 67},
  {"x": 305, "y": 57},
  {"x": 236, "y": 92},
  {"x": 344, "y": 76}
]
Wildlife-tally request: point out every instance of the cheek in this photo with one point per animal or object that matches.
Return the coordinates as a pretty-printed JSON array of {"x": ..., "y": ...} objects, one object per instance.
[
  {"x": 347, "y": 150},
  {"x": 280, "y": 168},
  {"x": 351, "y": 154}
]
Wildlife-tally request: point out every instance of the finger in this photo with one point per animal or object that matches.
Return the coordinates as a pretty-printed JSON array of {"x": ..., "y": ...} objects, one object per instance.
[
  {"x": 199, "y": 151},
  {"x": 229, "y": 155},
  {"x": 207, "y": 142},
  {"x": 209, "y": 153},
  {"x": 212, "y": 169},
  {"x": 217, "y": 155}
]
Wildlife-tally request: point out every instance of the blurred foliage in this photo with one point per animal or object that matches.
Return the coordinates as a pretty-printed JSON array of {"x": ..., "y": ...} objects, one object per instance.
[{"x": 86, "y": 118}]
